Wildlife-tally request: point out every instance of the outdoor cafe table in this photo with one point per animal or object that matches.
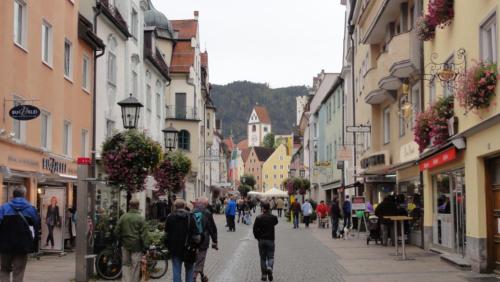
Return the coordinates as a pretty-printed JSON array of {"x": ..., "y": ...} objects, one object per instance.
[{"x": 395, "y": 219}]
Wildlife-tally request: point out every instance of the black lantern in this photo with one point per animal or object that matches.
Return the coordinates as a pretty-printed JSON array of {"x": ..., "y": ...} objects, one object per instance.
[
  {"x": 170, "y": 134},
  {"x": 130, "y": 112}
]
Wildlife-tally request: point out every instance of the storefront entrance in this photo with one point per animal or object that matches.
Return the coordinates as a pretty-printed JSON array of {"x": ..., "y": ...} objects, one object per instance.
[
  {"x": 449, "y": 211},
  {"x": 493, "y": 214}
]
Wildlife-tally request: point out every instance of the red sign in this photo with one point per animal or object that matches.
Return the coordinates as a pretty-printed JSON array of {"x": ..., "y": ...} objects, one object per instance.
[
  {"x": 83, "y": 161},
  {"x": 439, "y": 159}
]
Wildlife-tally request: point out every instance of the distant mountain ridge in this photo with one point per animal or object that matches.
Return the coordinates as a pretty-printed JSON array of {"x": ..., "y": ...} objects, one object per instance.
[{"x": 235, "y": 101}]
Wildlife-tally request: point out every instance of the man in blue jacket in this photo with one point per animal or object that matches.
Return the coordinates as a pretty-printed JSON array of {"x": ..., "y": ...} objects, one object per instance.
[
  {"x": 19, "y": 227},
  {"x": 231, "y": 213}
]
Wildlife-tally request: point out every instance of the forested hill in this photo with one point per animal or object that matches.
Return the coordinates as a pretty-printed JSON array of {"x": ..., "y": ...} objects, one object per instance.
[{"x": 236, "y": 100}]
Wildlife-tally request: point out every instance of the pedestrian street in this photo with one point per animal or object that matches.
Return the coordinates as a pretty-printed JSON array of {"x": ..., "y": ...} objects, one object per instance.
[{"x": 301, "y": 255}]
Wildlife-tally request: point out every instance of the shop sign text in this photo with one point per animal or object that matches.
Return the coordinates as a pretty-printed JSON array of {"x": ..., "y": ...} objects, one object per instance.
[
  {"x": 53, "y": 166},
  {"x": 439, "y": 159},
  {"x": 24, "y": 112},
  {"x": 374, "y": 160}
]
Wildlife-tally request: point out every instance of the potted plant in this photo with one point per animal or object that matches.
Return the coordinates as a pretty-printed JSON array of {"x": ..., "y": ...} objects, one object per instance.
[{"x": 478, "y": 86}]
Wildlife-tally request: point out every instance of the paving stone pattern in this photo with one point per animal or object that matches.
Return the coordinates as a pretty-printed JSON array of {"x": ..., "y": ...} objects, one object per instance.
[{"x": 301, "y": 255}]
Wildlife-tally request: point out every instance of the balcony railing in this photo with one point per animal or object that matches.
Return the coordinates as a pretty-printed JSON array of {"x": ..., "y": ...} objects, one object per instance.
[{"x": 182, "y": 113}]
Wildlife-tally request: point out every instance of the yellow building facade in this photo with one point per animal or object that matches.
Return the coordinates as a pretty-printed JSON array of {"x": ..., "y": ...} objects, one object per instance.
[
  {"x": 469, "y": 182},
  {"x": 275, "y": 169},
  {"x": 387, "y": 98}
]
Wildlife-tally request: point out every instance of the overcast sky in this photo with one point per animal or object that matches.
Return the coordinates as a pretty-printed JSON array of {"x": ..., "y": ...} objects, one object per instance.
[{"x": 280, "y": 42}]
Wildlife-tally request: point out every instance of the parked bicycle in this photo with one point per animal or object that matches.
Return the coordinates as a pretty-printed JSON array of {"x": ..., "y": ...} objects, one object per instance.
[{"x": 109, "y": 262}]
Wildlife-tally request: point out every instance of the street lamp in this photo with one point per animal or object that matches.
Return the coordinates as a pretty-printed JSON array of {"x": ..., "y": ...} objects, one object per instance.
[
  {"x": 130, "y": 112},
  {"x": 170, "y": 134}
]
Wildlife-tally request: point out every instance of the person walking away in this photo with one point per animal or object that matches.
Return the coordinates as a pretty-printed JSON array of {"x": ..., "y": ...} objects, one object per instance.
[
  {"x": 179, "y": 227},
  {"x": 386, "y": 208},
  {"x": 204, "y": 217},
  {"x": 132, "y": 232},
  {"x": 296, "y": 212},
  {"x": 346, "y": 208},
  {"x": 307, "y": 211},
  {"x": 335, "y": 214},
  {"x": 19, "y": 229},
  {"x": 231, "y": 214},
  {"x": 263, "y": 230},
  {"x": 240, "y": 205},
  {"x": 280, "y": 204}
]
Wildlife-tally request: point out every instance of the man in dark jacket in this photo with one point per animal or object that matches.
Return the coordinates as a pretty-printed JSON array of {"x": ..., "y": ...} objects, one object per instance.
[
  {"x": 180, "y": 225},
  {"x": 19, "y": 227},
  {"x": 346, "y": 208},
  {"x": 263, "y": 230},
  {"x": 335, "y": 216},
  {"x": 209, "y": 231}
]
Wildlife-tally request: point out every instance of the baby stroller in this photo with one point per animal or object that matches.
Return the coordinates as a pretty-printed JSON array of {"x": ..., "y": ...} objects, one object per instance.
[
  {"x": 374, "y": 229},
  {"x": 323, "y": 221}
]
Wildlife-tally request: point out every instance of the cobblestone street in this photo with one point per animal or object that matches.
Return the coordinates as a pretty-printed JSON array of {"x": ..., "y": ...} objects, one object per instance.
[{"x": 301, "y": 255}]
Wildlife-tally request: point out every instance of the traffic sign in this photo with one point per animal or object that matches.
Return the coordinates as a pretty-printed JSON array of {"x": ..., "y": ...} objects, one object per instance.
[{"x": 359, "y": 129}]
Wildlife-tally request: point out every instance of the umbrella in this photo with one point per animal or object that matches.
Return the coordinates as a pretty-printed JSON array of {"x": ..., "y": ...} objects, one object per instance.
[{"x": 275, "y": 192}]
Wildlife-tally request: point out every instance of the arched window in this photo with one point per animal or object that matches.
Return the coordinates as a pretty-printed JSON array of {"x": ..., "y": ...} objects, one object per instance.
[
  {"x": 184, "y": 140},
  {"x": 254, "y": 128}
]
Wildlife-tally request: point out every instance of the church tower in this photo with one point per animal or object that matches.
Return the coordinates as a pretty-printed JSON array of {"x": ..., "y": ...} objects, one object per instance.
[{"x": 259, "y": 125}]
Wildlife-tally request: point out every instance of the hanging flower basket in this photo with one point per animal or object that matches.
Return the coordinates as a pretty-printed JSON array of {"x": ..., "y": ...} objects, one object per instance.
[
  {"x": 171, "y": 174},
  {"x": 431, "y": 127},
  {"x": 441, "y": 111},
  {"x": 440, "y": 12},
  {"x": 422, "y": 130},
  {"x": 425, "y": 29},
  {"x": 478, "y": 86},
  {"x": 128, "y": 157}
]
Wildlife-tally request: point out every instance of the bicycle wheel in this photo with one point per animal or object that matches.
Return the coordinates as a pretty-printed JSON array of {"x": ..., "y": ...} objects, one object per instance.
[
  {"x": 109, "y": 264},
  {"x": 157, "y": 264}
]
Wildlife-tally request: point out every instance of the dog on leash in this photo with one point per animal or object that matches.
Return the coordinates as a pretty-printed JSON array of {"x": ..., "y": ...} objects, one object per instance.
[{"x": 345, "y": 233}]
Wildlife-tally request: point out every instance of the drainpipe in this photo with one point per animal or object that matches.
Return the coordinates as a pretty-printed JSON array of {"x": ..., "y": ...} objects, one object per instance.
[
  {"x": 93, "y": 171},
  {"x": 422, "y": 102},
  {"x": 195, "y": 113},
  {"x": 351, "y": 36}
]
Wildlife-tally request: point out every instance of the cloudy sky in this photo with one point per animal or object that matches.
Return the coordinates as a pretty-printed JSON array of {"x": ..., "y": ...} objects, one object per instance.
[{"x": 280, "y": 42}]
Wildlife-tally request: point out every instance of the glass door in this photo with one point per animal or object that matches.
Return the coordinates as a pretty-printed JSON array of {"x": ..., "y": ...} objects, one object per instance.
[{"x": 458, "y": 194}]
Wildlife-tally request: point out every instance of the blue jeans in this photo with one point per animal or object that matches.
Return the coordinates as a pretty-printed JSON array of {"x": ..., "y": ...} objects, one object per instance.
[{"x": 177, "y": 270}]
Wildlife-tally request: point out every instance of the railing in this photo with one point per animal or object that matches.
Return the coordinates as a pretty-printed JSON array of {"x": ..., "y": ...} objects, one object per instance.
[{"x": 182, "y": 113}]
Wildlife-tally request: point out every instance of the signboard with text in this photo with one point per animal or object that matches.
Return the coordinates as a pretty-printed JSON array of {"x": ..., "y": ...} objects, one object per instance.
[
  {"x": 439, "y": 159},
  {"x": 358, "y": 203},
  {"x": 24, "y": 112}
]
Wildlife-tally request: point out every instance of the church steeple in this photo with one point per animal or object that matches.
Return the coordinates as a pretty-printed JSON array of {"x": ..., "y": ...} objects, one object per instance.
[{"x": 259, "y": 125}]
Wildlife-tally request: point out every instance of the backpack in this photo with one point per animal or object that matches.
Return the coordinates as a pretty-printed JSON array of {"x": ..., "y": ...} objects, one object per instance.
[{"x": 199, "y": 235}]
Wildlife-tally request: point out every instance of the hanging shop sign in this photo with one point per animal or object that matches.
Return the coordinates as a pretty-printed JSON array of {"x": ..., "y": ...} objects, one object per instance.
[
  {"x": 344, "y": 154},
  {"x": 24, "y": 112},
  {"x": 439, "y": 159},
  {"x": 374, "y": 160}
]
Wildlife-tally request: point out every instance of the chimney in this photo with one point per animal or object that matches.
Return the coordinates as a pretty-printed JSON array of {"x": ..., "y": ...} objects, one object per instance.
[{"x": 196, "y": 15}]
